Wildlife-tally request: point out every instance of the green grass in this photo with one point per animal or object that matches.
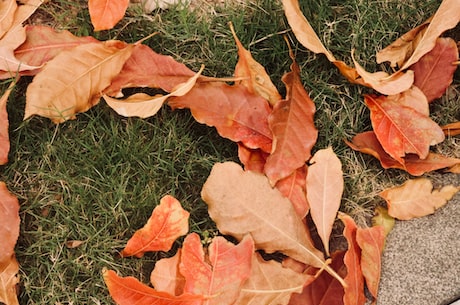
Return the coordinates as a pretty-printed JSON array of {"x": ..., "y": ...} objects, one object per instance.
[{"x": 97, "y": 178}]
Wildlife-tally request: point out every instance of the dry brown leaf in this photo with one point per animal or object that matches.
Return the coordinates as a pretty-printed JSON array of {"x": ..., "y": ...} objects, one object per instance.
[
  {"x": 7, "y": 9},
  {"x": 143, "y": 105},
  {"x": 324, "y": 191},
  {"x": 416, "y": 198},
  {"x": 452, "y": 129},
  {"x": 73, "y": 81},
  {"x": 25, "y": 10},
  {"x": 71, "y": 244},
  {"x": 9, "y": 278}
]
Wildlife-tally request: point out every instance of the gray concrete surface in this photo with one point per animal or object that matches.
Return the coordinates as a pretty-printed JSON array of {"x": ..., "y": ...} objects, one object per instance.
[{"x": 421, "y": 260}]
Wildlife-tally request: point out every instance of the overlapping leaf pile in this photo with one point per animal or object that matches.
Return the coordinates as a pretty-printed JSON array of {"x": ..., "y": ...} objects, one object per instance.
[{"x": 263, "y": 205}]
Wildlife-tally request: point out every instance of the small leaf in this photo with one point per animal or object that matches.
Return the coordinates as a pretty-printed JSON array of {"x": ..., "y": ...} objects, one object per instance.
[
  {"x": 167, "y": 222},
  {"x": 324, "y": 191},
  {"x": 416, "y": 198},
  {"x": 166, "y": 276},
  {"x": 382, "y": 218},
  {"x": 71, "y": 244},
  {"x": 252, "y": 159},
  {"x": 452, "y": 129},
  {"x": 4, "y": 123},
  {"x": 106, "y": 13}
]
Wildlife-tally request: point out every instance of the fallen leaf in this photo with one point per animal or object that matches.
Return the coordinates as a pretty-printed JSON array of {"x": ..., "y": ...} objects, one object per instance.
[
  {"x": 252, "y": 159},
  {"x": 129, "y": 291},
  {"x": 294, "y": 188},
  {"x": 221, "y": 274},
  {"x": 71, "y": 244},
  {"x": 68, "y": 84},
  {"x": 143, "y": 105},
  {"x": 9, "y": 278},
  {"x": 146, "y": 68},
  {"x": 434, "y": 71},
  {"x": 166, "y": 276},
  {"x": 106, "y": 13},
  {"x": 455, "y": 169},
  {"x": 452, "y": 129},
  {"x": 400, "y": 127},
  {"x": 371, "y": 241},
  {"x": 167, "y": 223},
  {"x": 293, "y": 129},
  {"x": 236, "y": 114},
  {"x": 243, "y": 203},
  {"x": 7, "y": 10},
  {"x": 150, "y": 5},
  {"x": 25, "y": 9},
  {"x": 4, "y": 124},
  {"x": 354, "y": 292},
  {"x": 324, "y": 191},
  {"x": 382, "y": 218},
  {"x": 416, "y": 198},
  {"x": 270, "y": 283},
  {"x": 255, "y": 78}
]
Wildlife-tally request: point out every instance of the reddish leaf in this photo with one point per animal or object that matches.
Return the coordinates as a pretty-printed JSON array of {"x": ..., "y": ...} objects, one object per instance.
[
  {"x": 434, "y": 72},
  {"x": 129, "y": 291},
  {"x": 400, "y": 127},
  {"x": 324, "y": 191},
  {"x": 221, "y": 274},
  {"x": 354, "y": 292},
  {"x": 325, "y": 290},
  {"x": 166, "y": 276},
  {"x": 252, "y": 159},
  {"x": 371, "y": 241},
  {"x": 416, "y": 198},
  {"x": 146, "y": 68},
  {"x": 368, "y": 143},
  {"x": 106, "y": 13},
  {"x": 294, "y": 132},
  {"x": 4, "y": 133},
  {"x": 167, "y": 222},
  {"x": 294, "y": 188},
  {"x": 236, "y": 114}
]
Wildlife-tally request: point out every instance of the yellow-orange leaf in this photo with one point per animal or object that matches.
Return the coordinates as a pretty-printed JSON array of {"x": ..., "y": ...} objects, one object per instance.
[
  {"x": 166, "y": 276},
  {"x": 382, "y": 218},
  {"x": 452, "y": 129},
  {"x": 324, "y": 191},
  {"x": 416, "y": 198},
  {"x": 9, "y": 278},
  {"x": 106, "y": 13},
  {"x": 143, "y": 105},
  {"x": 167, "y": 222},
  {"x": 73, "y": 81}
]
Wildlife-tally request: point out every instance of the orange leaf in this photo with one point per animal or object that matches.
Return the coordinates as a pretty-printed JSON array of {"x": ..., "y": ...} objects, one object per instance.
[
  {"x": 434, "y": 72},
  {"x": 9, "y": 278},
  {"x": 416, "y": 198},
  {"x": 324, "y": 191},
  {"x": 371, "y": 241},
  {"x": 166, "y": 276},
  {"x": 243, "y": 203},
  {"x": 325, "y": 290},
  {"x": 4, "y": 123},
  {"x": 68, "y": 84},
  {"x": 294, "y": 132},
  {"x": 368, "y": 143},
  {"x": 452, "y": 129},
  {"x": 129, "y": 291},
  {"x": 293, "y": 188},
  {"x": 106, "y": 13},
  {"x": 401, "y": 127},
  {"x": 219, "y": 275},
  {"x": 256, "y": 78},
  {"x": 236, "y": 114},
  {"x": 7, "y": 10},
  {"x": 270, "y": 283},
  {"x": 252, "y": 159},
  {"x": 146, "y": 68},
  {"x": 354, "y": 292},
  {"x": 167, "y": 222}
]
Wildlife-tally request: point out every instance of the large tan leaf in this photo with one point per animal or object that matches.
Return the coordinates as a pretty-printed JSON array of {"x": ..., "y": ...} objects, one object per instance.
[
  {"x": 244, "y": 203},
  {"x": 270, "y": 283},
  {"x": 416, "y": 198},
  {"x": 4, "y": 123},
  {"x": 106, "y": 13},
  {"x": 7, "y": 9},
  {"x": 324, "y": 191},
  {"x": 293, "y": 129},
  {"x": 73, "y": 81},
  {"x": 143, "y": 105}
]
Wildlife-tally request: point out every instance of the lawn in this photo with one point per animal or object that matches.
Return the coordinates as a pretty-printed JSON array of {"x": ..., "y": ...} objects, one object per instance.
[{"x": 96, "y": 179}]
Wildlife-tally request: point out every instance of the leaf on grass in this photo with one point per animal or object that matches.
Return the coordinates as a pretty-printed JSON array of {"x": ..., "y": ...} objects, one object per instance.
[
  {"x": 325, "y": 290},
  {"x": 7, "y": 10},
  {"x": 400, "y": 127},
  {"x": 270, "y": 283},
  {"x": 294, "y": 188},
  {"x": 416, "y": 198},
  {"x": 252, "y": 159},
  {"x": 4, "y": 124},
  {"x": 324, "y": 191},
  {"x": 236, "y": 114},
  {"x": 382, "y": 218},
  {"x": 106, "y": 13},
  {"x": 293, "y": 129},
  {"x": 255, "y": 77},
  {"x": 146, "y": 68},
  {"x": 354, "y": 292},
  {"x": 166, "y": 276},
  {"x": 25, "y": 9},
  {"x": 219, "y": 275},
  {"x": 368, "y": 143},
  {"x": 9, "y": 278},
  {"x": 244, "y": 203},
  {"x": 371, "y": 241},
  {"x": 73, "y": 81},
  {"x": 128, "y": 291},
  {"x": 452, "y": 129},
  {"x": 434, "y": 72},
  {"x": 167, "y": 222},
  {"x": 143, "y": 105}
]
